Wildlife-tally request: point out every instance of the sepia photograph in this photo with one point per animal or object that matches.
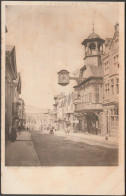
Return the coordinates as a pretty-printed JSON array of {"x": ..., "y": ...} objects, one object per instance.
[{"x": 61, "y": 74}]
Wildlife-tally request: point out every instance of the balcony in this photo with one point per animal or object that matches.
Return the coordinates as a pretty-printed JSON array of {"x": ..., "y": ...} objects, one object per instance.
[
  {"x": 93, "y": 52},
  {"x": 88, "y": 107}
]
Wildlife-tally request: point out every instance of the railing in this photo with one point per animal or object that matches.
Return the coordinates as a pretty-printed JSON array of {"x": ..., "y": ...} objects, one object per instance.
[
  {"x": 88, "y": 106},
  {"x": 93, "y": 52}
]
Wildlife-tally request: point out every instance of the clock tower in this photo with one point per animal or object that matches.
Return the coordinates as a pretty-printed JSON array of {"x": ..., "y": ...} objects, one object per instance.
[{"x": 93, "y": 49}]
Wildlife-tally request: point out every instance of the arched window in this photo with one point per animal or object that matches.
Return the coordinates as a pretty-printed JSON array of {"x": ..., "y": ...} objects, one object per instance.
[{"x": 92, "y": 46}]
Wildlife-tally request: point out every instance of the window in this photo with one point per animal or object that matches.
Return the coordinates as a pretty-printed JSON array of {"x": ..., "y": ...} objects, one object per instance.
[
  {"x": 105, "y": 90},
  {"x": 114, "y": 116},
  {"x": 108, "y": 90},
  {"x": 112, "y": 87},
  {"x": 106, "y": 65},
  {"x": 86, "y": 98},
  {"x": 92, "y": 46},
  {"x": 90, "y": 98},
  {"x": 116, "y": 61},
  {"x": 117, "y": 85},
  {"x": 97, "y": 94}
]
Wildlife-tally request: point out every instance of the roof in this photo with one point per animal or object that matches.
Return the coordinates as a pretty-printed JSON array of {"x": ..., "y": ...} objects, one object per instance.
[
  {"x": 63, "y": 70},
  {"x": 88, "y": 79},
  {"x": 9, "y": 48},
  {"x": 96, "y": 71},
  {"x": 93, "y": 36},
  {"x": 60, "y": 96}
]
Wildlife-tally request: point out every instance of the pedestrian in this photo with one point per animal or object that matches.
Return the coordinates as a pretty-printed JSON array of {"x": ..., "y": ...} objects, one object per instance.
[
  {"x": 68, "y": 128},
  {"x": 52, "y": 130},
  {"x": 13, "y": 132},
  {"x": 19, "y": 128}
]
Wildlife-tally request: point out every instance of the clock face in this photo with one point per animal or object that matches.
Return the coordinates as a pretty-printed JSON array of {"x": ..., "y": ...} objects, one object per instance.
[{"x": 64, "y": 77}]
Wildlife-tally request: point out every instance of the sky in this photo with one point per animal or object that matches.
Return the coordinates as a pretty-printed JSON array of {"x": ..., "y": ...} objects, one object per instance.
[{"x": 48, "y": 38}]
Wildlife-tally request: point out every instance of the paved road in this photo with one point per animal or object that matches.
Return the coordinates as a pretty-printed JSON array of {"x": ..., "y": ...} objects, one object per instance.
[{"x": 53, "y": 150}]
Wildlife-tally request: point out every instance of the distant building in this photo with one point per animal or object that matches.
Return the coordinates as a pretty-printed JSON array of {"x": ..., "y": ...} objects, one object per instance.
[
  {"x": 69, "y": 108},
  {"x": 48, "y": 120},
  {"x": 59, "y": 116},
  {"x": 21, "y": 112},
  {"x": 64, "y": 110},
  {"x": 110, "y": 61}
]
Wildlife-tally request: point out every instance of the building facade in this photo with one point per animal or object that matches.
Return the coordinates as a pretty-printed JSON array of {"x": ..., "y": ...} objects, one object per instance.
[
  {"x": 110, "y": 61},
  {"x": 64, "y": 111},
  {"x": 12, "y": 89},
  {"x": 89, "y": 90}
]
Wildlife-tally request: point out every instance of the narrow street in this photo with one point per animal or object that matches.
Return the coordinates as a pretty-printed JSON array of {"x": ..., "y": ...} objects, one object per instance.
[{"x": 54, "y": 150}]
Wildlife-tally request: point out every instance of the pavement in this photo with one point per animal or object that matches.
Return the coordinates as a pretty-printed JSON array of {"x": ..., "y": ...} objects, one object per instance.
[
  {"x": 21, "y": 152},
  {"x": 90, "y": 138}
]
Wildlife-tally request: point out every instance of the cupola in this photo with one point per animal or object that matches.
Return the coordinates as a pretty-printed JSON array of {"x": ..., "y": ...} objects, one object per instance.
[{"x": 93, "y": 49}]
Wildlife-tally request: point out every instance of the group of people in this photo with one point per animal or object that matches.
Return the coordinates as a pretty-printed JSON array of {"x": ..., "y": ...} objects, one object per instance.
[{"x": 52, "y": 129}]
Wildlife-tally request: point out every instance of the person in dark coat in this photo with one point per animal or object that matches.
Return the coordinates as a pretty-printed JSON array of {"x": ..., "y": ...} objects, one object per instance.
[{"x": 13, "y": 132}]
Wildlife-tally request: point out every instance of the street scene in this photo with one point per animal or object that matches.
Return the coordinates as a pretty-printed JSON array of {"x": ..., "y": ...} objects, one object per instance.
[{"x": 61, "y": 86}]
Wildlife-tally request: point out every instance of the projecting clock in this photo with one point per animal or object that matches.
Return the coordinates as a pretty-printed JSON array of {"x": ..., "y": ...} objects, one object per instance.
[{"x": 64, "y": 77}]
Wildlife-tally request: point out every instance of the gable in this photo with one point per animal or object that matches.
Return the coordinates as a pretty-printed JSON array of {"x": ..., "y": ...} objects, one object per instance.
[{"x": 115, "y": 40}]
